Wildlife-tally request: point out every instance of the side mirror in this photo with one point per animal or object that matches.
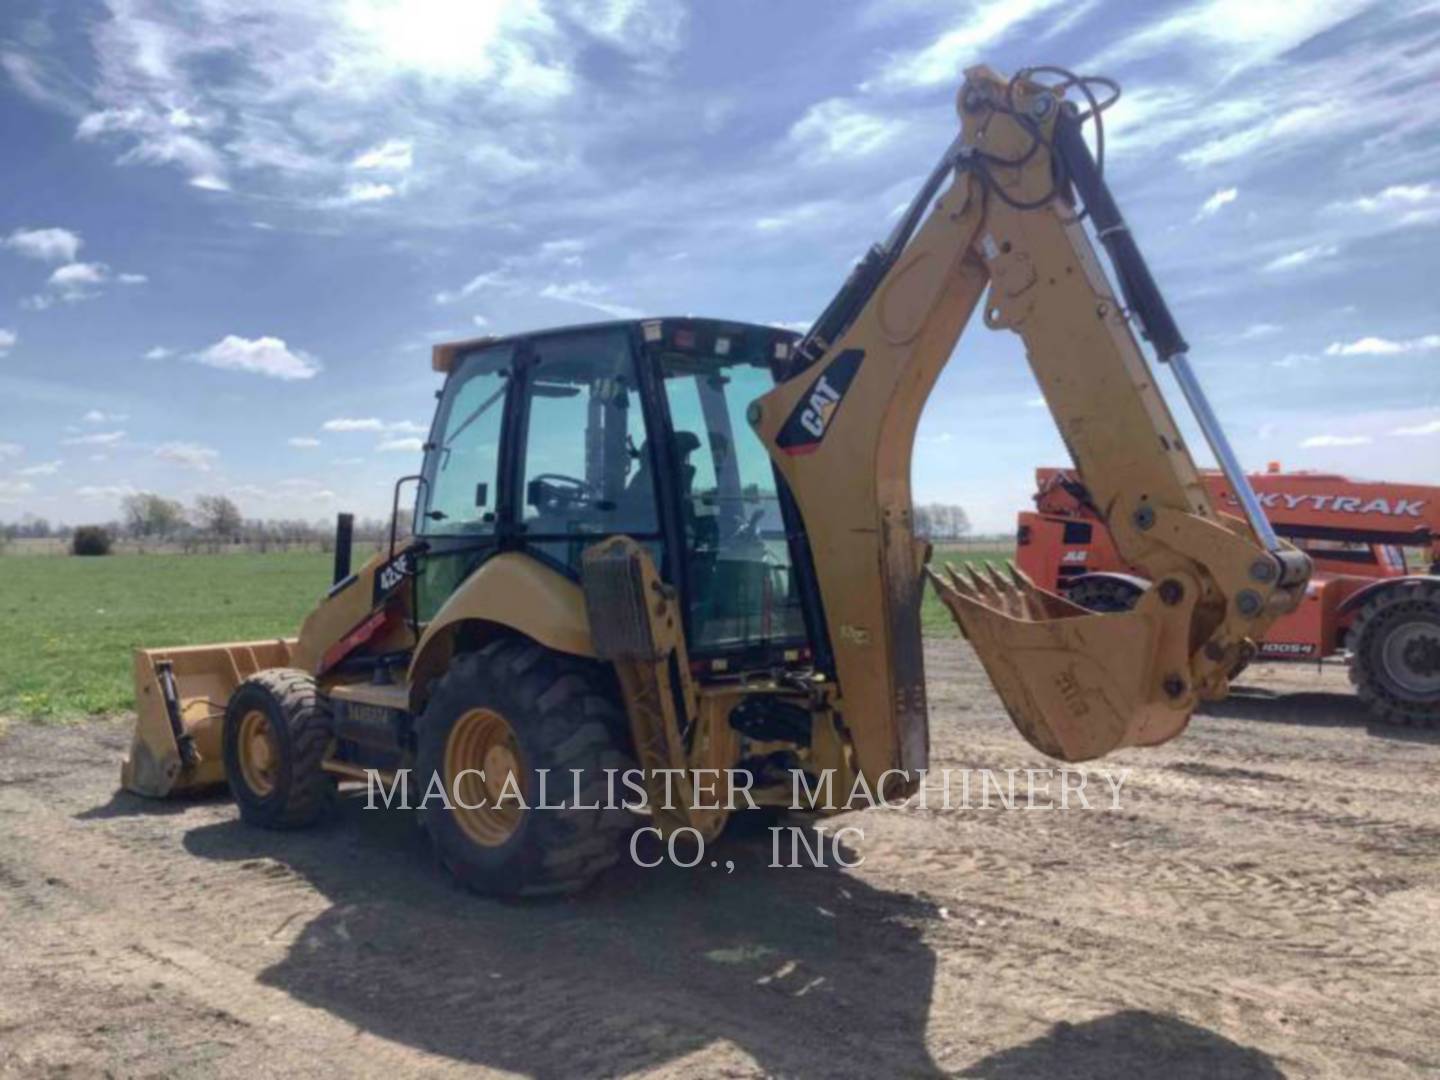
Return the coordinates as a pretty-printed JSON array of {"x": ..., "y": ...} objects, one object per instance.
[{"x": 482, "y": 494}]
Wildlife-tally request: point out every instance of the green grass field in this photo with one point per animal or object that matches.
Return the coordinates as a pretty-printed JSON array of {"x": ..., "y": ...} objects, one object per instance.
[{"x": 67, "y": 625}]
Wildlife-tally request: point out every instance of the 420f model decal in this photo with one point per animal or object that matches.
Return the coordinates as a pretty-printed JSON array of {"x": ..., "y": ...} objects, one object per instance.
[{"x": 808, "y": 421}]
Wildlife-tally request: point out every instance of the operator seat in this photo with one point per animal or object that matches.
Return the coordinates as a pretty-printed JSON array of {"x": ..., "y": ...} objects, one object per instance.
[{"x": 639, "y": 497}]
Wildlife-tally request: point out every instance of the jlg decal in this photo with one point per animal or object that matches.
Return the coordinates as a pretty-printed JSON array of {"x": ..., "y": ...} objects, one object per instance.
[{"x": 810, "y": 419}]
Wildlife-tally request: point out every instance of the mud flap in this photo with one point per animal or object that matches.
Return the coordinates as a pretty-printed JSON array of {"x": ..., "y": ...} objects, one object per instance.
[
  {"x": 1076, "y": 684},
  {"x": 180, "y": 698}
]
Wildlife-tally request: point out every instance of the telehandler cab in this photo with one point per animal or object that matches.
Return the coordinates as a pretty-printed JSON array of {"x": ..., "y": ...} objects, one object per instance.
[{"x": 687, "y": 544}]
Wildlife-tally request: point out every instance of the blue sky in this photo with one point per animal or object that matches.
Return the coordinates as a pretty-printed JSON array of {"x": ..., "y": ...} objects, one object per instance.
[{"x": 230, "y": 229}]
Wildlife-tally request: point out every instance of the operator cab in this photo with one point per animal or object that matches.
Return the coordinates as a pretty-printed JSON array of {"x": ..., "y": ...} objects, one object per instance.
[{"x": 546, "y": 443}]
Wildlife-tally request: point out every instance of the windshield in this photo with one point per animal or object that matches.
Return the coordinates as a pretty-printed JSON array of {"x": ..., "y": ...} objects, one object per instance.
[
  {"x": 458, "y": 496},
  {"x": 741, "y": 588}
]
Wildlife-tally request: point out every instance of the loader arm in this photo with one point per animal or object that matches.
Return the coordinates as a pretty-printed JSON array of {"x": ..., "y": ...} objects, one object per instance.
[{"x": 841, "y": 427}]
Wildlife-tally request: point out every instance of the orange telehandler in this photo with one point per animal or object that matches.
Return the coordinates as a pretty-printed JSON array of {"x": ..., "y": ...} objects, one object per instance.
[
  {"x": 1363, "y": 599},
  {"x": 688, "y": 544}
]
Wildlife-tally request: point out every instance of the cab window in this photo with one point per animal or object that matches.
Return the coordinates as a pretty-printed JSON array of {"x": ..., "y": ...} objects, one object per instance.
[
  {"x": 584, "y": 466},
  {"x": 458, "y": 495},
  {"x": 741, "y": 589}
]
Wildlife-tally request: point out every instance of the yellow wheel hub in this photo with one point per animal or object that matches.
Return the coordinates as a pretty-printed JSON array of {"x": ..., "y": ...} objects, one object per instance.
[
  {"x": 259, "y": 752},
  {"x": 482, "y": 764}
]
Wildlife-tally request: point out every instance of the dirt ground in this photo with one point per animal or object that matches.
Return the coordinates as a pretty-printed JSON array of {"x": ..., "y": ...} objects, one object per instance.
[{"x": 1266, "y": 902}]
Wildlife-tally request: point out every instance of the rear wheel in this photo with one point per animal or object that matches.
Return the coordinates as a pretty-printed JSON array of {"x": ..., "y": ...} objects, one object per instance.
[
  {"x": 496, "y": 722},
  {"x": 1395, "y": 655},
  {"x": 276, "y": 734}
]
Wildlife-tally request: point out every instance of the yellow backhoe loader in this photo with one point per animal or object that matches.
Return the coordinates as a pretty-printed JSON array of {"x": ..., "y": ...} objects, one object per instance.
[{"x": 687, "y": 545}]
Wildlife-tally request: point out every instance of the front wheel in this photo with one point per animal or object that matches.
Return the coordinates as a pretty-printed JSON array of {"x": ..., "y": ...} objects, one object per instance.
[
  {"x": 498, "y": 721},
  {"x": 277, "y": 732},
  {"x": 1395, "y": 656}
]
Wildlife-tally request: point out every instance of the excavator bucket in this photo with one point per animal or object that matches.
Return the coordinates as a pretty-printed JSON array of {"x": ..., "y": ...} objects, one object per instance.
[
  {"x": 180, "y": 698},
  {"x": 1077, "y": 684}
]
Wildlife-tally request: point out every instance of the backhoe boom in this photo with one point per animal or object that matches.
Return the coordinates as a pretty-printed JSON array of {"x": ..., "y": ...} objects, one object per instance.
[{"x": 841, "y": 430}]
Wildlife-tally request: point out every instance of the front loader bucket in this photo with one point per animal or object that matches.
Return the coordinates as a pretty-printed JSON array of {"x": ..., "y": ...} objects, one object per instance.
[
  {"x": 180, "y": 698},
  {"x": 1077, "y": 684}
]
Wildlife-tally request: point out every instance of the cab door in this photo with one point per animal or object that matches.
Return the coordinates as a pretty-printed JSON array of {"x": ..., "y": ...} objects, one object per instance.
[
  {"x": 583, "y": 465},
  {"x": 459, "y": 513}
]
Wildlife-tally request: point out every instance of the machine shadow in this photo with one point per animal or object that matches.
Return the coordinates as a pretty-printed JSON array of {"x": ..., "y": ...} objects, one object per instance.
[
  {"x": 1313, "y": 708},
  {"x": 1128, "y": 1043},
  {"x": 807, "y": 971},
  {"x": 127, "y": 804}
]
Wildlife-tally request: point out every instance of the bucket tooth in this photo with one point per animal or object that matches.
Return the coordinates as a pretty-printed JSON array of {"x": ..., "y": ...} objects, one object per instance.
[
  {"x": 1010, "y": 597},
  {"x": 958, "y": 583}
]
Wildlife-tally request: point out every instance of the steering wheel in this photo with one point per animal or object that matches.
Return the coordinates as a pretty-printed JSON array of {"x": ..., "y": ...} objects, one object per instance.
[{"x": 560, "y": 490}]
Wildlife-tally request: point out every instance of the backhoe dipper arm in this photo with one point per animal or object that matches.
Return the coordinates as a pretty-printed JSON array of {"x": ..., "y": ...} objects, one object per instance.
[{"x": 841, "y": 428}]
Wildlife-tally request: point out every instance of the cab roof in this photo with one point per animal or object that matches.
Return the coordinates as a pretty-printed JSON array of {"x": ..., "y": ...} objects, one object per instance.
[{"x": 664, "y": 328}]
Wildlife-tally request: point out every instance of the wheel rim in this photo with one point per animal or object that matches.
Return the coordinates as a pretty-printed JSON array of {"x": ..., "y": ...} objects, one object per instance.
[
  {"x": 1411, "y": 655},
  {"x": 483, "y": 742},
  {"x": 259, "y": 750}
]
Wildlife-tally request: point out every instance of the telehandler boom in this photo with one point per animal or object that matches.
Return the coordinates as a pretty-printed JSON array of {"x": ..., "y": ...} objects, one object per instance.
[{"x": 688, "y": 545}]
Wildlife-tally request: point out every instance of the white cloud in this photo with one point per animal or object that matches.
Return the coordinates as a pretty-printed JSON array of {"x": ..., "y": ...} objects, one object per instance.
[
  {"x": 11, "y": 490},
  {"x": 1215, "y": 203},
  {"x": 8, "y": 339},
  {"x": 47, "y": 468},
  {"x": 104, "y": 491},
  {"x": 393, "y": 155},
  {"x": 159, "y": 352},
  {"x": 588, "y": 294},
  {"x": 371, "y": 423},
  {"x": 480, "y": 320},
  {"x": 474, "y": 285},
  {"x": 943, "y": 60},
  {"x": 1378, "y": 346},
  {"x": 304, "y": 442},
  {"x": 76, "y": 276},
  {"x": 303, "y": 89},
  {"x": 1432, "y": 428},
  {"x": 1293, "y": 360},
  {"x": 1400, "y": 204},
  {"x": 366, "y": 191},
  {"x": 1293, "y": 260},
  {"x": 10, "y": 449},
  {"x": 99, "y": 438},
  {"x": 1258, "y": 330},
  {"x": 131, "y": 279},
  {"x": 838, "y": 129},
  {"x": 1334, "y": 440},
  {"x": 408, "y": 446},
  {"x": 51, "y": 245},
  {"x": 345, "y": 423},
  {"x": 268, "y": 356},
  {"x": 98, "y": 416},
  {"x": 190, "y": 455},
  {"x": 803, "y": 214},
  {"x": 1236, "y": 33}
]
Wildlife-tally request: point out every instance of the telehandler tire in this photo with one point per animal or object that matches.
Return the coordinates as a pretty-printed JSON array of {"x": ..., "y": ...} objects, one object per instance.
[
  {"x": 1395, "y": 653},
  {"x": 1104, "y": 594},
  {"x": 277, "y": 731},
  {"x": 494, "y": 720}
]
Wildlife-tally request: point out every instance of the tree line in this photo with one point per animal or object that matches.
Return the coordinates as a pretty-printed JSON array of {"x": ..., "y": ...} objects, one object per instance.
[
  {"x": 210, "y": 522},
  {"x": 941, "y": 521}
]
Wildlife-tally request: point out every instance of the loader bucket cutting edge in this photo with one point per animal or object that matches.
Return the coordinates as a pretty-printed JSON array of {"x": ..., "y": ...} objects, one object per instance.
[
  {"x": 203, "y": 678},
  {"x": 1076, "y": 684}
]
